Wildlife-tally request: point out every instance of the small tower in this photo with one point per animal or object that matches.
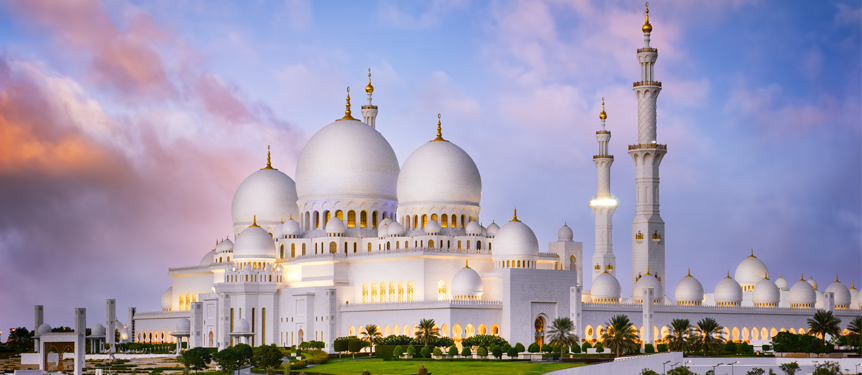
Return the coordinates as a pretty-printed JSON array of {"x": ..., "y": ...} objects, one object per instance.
[
  {"x": 603, "y": 205},
  {"x": 369, "y": 111}
]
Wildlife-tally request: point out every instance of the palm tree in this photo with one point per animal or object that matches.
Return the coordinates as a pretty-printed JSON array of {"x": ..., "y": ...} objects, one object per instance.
[
  {"x": 562, "y": 333},
  {"x": 427, "y": 331},
  {"x": 710, "y": 339},
  {"x": 824, "y": 323},
  {"x": 855, "y": 328},
  {"x": 679, "y": 332},
  {"x": 620, "y": 337},
  {"x": 372, "y": 335}
]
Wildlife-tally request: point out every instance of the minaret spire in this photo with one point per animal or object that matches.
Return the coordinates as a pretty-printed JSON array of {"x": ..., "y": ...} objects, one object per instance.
[
  {"x": 268, "y": 162},
  {"x": 369, "y": 111},
  {"x": 603, "y": 205},
  {"x": 347, "y": 115},
  {"x": 647, "y": 155},
  {"x": 439, "y": 132}
]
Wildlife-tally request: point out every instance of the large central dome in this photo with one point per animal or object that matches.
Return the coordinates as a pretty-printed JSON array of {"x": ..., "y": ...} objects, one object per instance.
[
  {"x": 347, "y": 160},
  {"x": 439, "y": 172}
]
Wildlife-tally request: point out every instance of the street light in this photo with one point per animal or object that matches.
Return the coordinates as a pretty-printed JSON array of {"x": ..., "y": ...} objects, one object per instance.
[
  {"x": 713, "y": 367},
  {"x": 731, "y": 367},
  {"x": 663, "y": 371},
  {"x": 675, "y": 364},
  {"x": 857, "y": 367}
]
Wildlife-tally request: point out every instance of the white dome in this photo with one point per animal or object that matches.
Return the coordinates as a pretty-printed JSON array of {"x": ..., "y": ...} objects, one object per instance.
[
  {"x": 382, "y": 230},
  {"x": 432, "y": 227},
  {"x": 97, "y": 330},
  {"x": 858, "y": 299},
  {"x": 688, "y": 291},
  {"x": 606, "y": 288},
  {"x": 335, "y": 226},
  {"x": 842, "y": 294},
  {"x": 268, "y": 194},
  {"x": 781, "y": 283},
  {"x": 812, "y": 282},
  {"x": 276, "y": 231},
  {"x": 386, "y": 222},
  {"x": 648, "y": 281},
  {"x": 765, "y": 293},
  {"x": 167, "y": 299},
  {"x": 515, "y": 239},
  {"x": 394, "y": 229},
  {"x": 226, "y": 245},
  {"x": 439, "y": 172},
  {"x": 728, "y": 291},
  {"x": 565, "y": 233},
  {"x": 290, "y": 228},
  {"x": 493, "y": 229},
  {"x": 43, "y": 329},
  {"x": 242, "y": 326},
  {"x": 802, "y": 294},
  {"x": 124, "y": 333},
  {"x": 184, "y": 326},
  {"x": 473, "y": 228},
  {"x": 347, "y": 159},
  {"x": 750, "y": 271},
  {"x": 466, "y": 283},
  {"x": 208, "y": 259},
  {"x": 484, "y": 231},
  {"x": 254, "y": 242}
]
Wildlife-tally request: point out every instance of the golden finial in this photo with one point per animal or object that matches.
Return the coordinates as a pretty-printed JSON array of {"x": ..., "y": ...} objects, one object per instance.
[
  {"x": 752, "y": 253},
  {"x": 836, "y": 279},
  {"x": 515, "y": 219},
  {"x": 254, "y": 223},
  {"x": 603, "y": 115},
  {"x": 689, "y": 273},
  {"x": 466, "y": 263},
  {"x": 801, "y": 277},
  {"x": 606, "y": 270},
  {"x": 766, "y": 275},
  {"x": 369, "y": 89},
  {"x": 728, "y": 274},
  {"x": 852, "y": 285},
  {"x": 347, "y": 115},
  {"x": 647, "y": 27},
  {"x": 282, "y": 219},
  {"x": 268, "y": 163},
  {"x": 647, "y": 270},
  {"x": 439, "y": 131}
]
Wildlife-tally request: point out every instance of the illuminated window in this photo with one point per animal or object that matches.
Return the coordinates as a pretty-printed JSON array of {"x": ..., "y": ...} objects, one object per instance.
[
  {"x": 434, "y": 217},
  {"x": 281, "y": 251},
  {"x": 445, "y": 221},
  {"x": 333, "y": 247},
  {"x": 327, "y": 215},
  {"x": 410, "y": 291},
  {"x": 369, "y": 247},
  {"x": 391, "y": 291},
  {"x": 382, "y": 291},
  {"x": 462, "y": 221},
  {"x": 415, "y": 221},
  {"x": 431, "y": 243},
  {"x": 373, "y": 293},
  {"x": 374, "y": 219},
  {"x": 365, "y": 293},
  {"x": 182, "y": 302},
  {"x": 459, "y": 244},
  {"x": 363, "y": 219},
  {"x": 303, "y": 249},
  {"x": 441, "y": 290},
  {"x": 339, "y": 214},
  {"x": 401, "y": 291},
  {"x": 351, "y": 219}
]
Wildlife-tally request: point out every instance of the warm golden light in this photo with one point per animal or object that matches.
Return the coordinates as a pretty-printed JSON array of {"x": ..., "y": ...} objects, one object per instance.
[{"x": 603, "y": 202}]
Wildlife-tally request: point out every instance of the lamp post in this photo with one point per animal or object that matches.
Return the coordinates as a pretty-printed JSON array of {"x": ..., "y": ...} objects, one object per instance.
[
  {"x": 664, "y": 371},
  {"x": 731, "y": 366},
  {"x": 675, "y": 364},
  {"x": 713, "y": 367}
]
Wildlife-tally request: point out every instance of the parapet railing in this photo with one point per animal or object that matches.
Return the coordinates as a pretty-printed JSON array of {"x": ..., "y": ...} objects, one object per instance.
[
  {"x": 648, "y": 145},
  {"x": 396, "y": 251},
  {"x": 450, "y": 302},
  {"x": 646, "y": 83}
]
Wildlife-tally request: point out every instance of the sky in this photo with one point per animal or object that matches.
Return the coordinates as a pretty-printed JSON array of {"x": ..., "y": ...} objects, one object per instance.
[{"x": 126, "y": 126}]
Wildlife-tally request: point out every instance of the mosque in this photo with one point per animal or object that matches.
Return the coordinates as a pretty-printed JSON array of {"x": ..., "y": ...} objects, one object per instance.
[{"x": 356, "y": 239}]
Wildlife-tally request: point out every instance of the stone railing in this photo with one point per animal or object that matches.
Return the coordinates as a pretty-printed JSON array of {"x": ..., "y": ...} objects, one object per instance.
[
  {"x": 648, "y": 145},
  {"x": 372, "y": 253},
  {"x": 419, "y": 304},
  {"x": 646, "y": 83},
  {"x": 700, "y": 308},
  {"x": 603, "y": 156},
  {"x": 647, "y": 49}
]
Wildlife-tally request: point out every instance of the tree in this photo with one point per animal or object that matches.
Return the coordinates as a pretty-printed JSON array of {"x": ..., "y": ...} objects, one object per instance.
[
  {"x": 789, "y": 368},
  {"x": 398, "y": 351},
  {"x": 827, "y": 368},
  {"x": 425, "y": 352},
  {"x": 267, "y": 356},
  {"x": 453, "y": 351},
  {"x": 196, "y": 359},
  {"x": 854, "y": 338},
  {"x": 437, "y": 352},
  {"x": 679, "y": 331},
  {"x": 20, "y": 339},
  {"x": 466, "y": 352},
  {"x": 824, "y": 323},
  {"x": 519, "y": 347},
  {"x": 244, "y": 353},
  {"x": 562, "y": 333},
  {"x": 228, "y": 359},
  {"x": 600, "y": 348},
  {"x": 756, "y": 371},
  {"x": 620, "y": 336},
  {"x": 372, "y": 335},
  {"x": 411, "y": 351},
  {"x": 710, "y": 339},
  {"x": 534, "y": 348},
  {"x": 427, "y": 333}
]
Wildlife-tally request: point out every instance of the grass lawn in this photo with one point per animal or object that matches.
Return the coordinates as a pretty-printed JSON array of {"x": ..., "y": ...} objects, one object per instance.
[{"x": 380, "y": 367}]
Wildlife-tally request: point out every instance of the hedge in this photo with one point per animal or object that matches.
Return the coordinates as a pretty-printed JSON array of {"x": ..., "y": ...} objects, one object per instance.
[{"x": 385, "y": 351}]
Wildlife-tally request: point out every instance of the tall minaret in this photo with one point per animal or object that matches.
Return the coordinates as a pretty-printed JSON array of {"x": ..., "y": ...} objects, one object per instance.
[
  {"x": 604, "y": 205},
  {"x": 369, "y": 111},
  {"x": 647, "y": 226}
]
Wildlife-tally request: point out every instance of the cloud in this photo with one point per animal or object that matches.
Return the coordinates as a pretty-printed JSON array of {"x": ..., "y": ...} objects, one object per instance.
[{"x": 390, "y": 14}]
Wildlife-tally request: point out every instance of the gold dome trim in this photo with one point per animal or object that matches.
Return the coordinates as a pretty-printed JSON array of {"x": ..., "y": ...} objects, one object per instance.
[
  {"x": 268, "y": 163},
  {"x": 515, "y": 218},
  {"x": 439, "y": 132},
  {"x": 369, "y": 89},
  {"x": 647, "y": 28}
]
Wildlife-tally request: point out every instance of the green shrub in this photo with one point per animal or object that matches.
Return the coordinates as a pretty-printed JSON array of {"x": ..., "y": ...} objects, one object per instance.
[
  {"x": 482, "y": 352},
  {"x": 354, "y": 346},
  {"x": 426, "y": 351},
  {"x": 411, "y": 351},
  {"x": 512, "y": 353},
  {"x": 339, "y": 345},
  {"x": 453, "y": 351},
  {"x": 497, "y": 351},
  {"x": 484, "y": 340},
  {"x": 661, "y": 348},
  {"x": 520, "y": 347},
  {"x": 766, "y": 348},
  {"x": 649, "y": 349},
  {"x": 444, "y": 342},
  {"x": 647, "y": 371},
  {"x": 397, "y": 340},
  {"x": 387, "y": 351},
  {"x": 506, "y": 347},
  {"x": 730, "y": 347},
  {"x": 438, "y": 352},
  {"x": 298, "y": 365},
  {"x": 534, "y": 348},
  {"x": 600, "y": 348},
  {"x": 565, "y": 350},
  {"x": 576, "y": 349},
  {"x": 586, "y": 345},
  {"x": 466, "y": 352},
  {"x": 547, "y": 348},
  {"x": 396, "y": 353}
]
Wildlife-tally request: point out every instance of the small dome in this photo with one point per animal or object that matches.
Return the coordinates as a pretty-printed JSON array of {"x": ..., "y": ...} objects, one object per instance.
[
  {"x": 394, "y": 229},
  {"x": 276, "y": 231},
  {"x": 386, "y": 221},
  {"x": 802, "y": 295},
  {"x": 858, "y": 299},
  {"x": 254, "y": 242},
  {"x": 225, "y": 245},
  {"x": 750, "y": 271},
  {"x": 648, "y": 281},
  {"x": 728, "y": 292},
  {"x": 242, "y": 326},
  {"x": 124, "y": 333},
  {"x": 606, "y": 289},
  {"x": 842, "y": 294},
  {"x": 515, "y": 239},
  {"x": 382, "y": 230},
  {"x": 565, "y": 233},
  {"x": 432, "y": 227},
  {"x": 290, "y": 228},
  {"x": 765, "y": 294},
  {"x": 781, "y": 283},
  {"x": 812, "y": 282},
  {"x": 473, "y": 228},
  {"x": 335, "y": 226},
  {"x": 208, "y": 259},
  {"x": 97, "y": 330},
  {"x": 279, "y": 269},
  {"x": 43, "y": 329},
  {"x": 484, "y": 231},
  {"x": 689, "y": 291},
  {"x": 184, "y": 326},
  {"x": 268, "y": 194},
  {"x": 167, "y": 299},
  {"x": 493, "y": 229},
  {"x": 467, "y": 283},
  {"x": 439, "y": 173}
]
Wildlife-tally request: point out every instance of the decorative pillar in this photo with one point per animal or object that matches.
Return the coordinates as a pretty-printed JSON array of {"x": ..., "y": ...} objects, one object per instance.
[
  {"x": 110, "y": 318},
  {"x": 576, "y": 309},
  {"x": 649, "y": 315}
]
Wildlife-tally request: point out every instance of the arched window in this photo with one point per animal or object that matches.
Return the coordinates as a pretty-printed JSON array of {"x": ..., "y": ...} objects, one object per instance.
[
  {"x": 369, "y": 247},
  {"x": 415, "y": 221},
  {"x": 365, "y": 293},
  {"x": 382, "y": 291},
  {"x": 405, "y": 244},
  {"x": 281, "y": 251},
  {"x": 434, "y": 217},
  {"x": 478, "y": 245},
  {"x": 385, "y": 215},
  {"x": 292, "y": 251},
  {"x": 424, "y": 220},
  {"x": 459, "y": 244},
  {"x": 326, "y": 216},
  {"x": 470, "y": 331},
  {"x": 444, "y": 221},
  {"x": 397, "y": 245},
  {"x": 188, "y": 302},
  {"x": 351, "y": 219},
  {"x": 345, "y": 248},
  {"x": 444, "y": 330},
  {"x": 363, "y": 219},
  {"x": 374, "y": 219},
  {"x": 407, "y": 222},
  {"x": 388, "y": 246},
  {"x": 303, "y": 249},
  {"x": 354, "y": 247},
  {"x": 495, "y": 330},
  {"x": 468, "y": 245},
  {"x": 483, "y": 330},
  {"x": 462, "y": 221},
  {"x": 431, "y": 243},
  {"x": 333, "y": 247},
  {"x": 441, "y": 290},
  {"x": 182, "y": 302},
  {"x": 409, "y": 290},
  {"x": 400, "y": 291},
  {"x": 352, "y": 331},
  {"x": 373, "y": 293},
  {"x": 339, "y": 214},
  {"x": 391, "y": 291}
]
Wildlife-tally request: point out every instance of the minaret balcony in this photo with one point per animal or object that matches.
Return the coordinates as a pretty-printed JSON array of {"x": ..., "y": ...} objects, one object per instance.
[
  {"x": 603, "y": 132},
  {"x": 648, "y": 49},
  {"x": 657, "y": 146},
  {"x": 646, "y": 83},
  {"x": 639, "y": 238},
  {"x": 656, "y": 238},
  {"x": 603, "y": 156}
]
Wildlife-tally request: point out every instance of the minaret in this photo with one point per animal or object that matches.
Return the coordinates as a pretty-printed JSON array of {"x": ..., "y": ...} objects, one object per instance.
[
  {"x": 603, "y": 204},
  {"x": 647, "y": 226},
  {"x": 369, "y": 111}
]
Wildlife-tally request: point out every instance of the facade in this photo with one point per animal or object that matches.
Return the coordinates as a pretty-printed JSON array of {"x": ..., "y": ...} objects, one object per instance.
[{"x": 358, "y": 239}]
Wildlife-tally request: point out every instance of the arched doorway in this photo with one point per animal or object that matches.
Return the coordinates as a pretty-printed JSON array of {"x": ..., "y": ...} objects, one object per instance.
[
  {"x": 540, "y": 330},
  {"x": 300, "y": 336},
  {"x": 211, "y": 339}
]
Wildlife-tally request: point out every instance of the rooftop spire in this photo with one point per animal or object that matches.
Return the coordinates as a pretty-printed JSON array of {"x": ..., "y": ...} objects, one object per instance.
[
  {"x": 369, "y": 89},
  {"x": 752, "y": 253},
  {"x": 439, "y": 131},
  {"x": 647, "y": 28},
  {"x": 466, "y": 263},
  {"x": 254, "y": 223},
  {"x": 728, "y": 275},
  {"x": 603, "y": 115},
  {"x": 515, "y": 219},
  {"x": 689, "y": 273},
  {"x": 268, "y": 163},
  {"x": 347, "y": 115}
]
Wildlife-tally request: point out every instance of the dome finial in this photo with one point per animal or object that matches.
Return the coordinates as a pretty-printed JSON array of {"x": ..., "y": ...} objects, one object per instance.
[
  {"x": 802, "y": 276},
  {"x": 766, "y": 276},
  {"x": 647, "y": 270},
  {"x": 647, "y": 28},
  {"x": 347, "y": 115},
  {"x": 603, "y": 115},
  {"x": 466, "y": 263},
  {"x": 439, "y": 131},
  {"x": 369, "y": 89},
  {"x": 689, "y": 273},
  {"x": 752, "y": 253},
  {"x": 836, "y": 279},
  {"x": 268, "y": 163},
  {"x": 515, "y": 219},
  {"x": 728, "y": 275},
  {"x": 254, "y": 223}
]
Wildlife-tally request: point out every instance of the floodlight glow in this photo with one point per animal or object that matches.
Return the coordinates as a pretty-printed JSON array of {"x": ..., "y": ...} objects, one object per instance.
[{"x": 603, "y": 202}]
